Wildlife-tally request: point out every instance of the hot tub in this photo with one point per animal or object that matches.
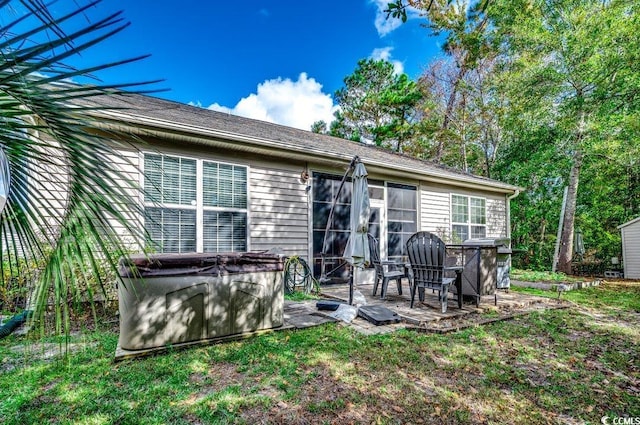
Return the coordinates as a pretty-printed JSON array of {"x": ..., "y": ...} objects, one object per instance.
[{"x": 171, "y": 299}]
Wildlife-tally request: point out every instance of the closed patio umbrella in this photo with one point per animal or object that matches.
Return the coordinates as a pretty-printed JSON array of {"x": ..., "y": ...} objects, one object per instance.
[{"x": 357, "y": 252}]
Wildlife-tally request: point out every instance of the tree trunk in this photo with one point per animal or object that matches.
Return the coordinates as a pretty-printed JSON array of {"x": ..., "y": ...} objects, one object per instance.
[
  {"x": 442, "y": 136},
  {"x": 566, "y": 239}
]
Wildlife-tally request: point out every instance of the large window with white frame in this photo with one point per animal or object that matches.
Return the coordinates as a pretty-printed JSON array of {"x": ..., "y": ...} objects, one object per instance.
[
  {"x": 195, "y": 205},
  {"x": 468, "y": 217}
]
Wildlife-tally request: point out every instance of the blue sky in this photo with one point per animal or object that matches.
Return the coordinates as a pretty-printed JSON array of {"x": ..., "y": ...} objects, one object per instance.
[{"x": 278, "y": 60}]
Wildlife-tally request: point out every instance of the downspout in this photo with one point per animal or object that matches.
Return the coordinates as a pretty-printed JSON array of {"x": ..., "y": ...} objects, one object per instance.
[{"x": 509, "y": 198}]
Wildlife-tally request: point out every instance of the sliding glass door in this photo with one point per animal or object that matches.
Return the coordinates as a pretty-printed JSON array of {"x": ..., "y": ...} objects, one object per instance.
[{"x": 393, "y": 219}]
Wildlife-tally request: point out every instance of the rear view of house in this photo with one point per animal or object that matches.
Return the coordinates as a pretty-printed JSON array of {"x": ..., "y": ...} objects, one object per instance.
[{"x": 214, "y": 182}]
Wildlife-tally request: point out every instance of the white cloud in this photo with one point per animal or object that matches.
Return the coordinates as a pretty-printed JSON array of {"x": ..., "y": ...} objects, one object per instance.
[
  {"x": 283, "y": 101},
  {"x": 384, "y": 25},
  {"x": 384, "y": 53}
]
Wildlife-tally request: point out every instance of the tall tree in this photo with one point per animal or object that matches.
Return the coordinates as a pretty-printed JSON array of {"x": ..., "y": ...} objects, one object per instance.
[
  {"x": 376, "y": 105},
  {"x": 474, "y": 134},
  {"x": 400, "y": 101},
  {"x": 567, "y": 57},
  {"x": 56, "y": 164},
  {"x": 465, "y": 25}
]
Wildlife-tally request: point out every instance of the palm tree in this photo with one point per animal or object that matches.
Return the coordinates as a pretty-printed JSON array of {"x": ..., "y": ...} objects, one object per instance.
[{"x": 67, "y": 210}]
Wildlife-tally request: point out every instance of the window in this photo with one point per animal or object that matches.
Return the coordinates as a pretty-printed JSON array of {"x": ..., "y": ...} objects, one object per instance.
[
  {"x": 193, "y": 205},
  {"x": 402, "y": 218},
  {"x": 468, "y": 218}
]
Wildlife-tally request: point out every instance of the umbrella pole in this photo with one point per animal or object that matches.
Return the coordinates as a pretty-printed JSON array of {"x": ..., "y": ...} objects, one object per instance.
[
  {"x": 323, "y": 272},
  {"x": 352, "y": 279}
]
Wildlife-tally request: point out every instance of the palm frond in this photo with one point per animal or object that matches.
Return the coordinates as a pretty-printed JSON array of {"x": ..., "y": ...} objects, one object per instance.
[{"x": 70, "y": 215}]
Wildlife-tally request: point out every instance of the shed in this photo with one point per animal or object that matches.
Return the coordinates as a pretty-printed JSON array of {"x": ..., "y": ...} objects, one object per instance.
[{"x": 631, "y": 248}]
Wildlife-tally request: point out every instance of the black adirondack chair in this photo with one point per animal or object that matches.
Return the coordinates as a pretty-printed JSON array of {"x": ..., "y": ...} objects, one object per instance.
[
  {"x": 385, "y": 270},
  {"x": 426, "y": 253}
]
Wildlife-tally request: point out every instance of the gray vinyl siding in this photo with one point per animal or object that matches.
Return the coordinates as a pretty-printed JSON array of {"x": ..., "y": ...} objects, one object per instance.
[
  {"x": 631, "y": 250},
  {"x": 496, "y": 217},
  {"x": 278, "y": 211},
  {"x": 435, "y": 210},
  {"x": 128, "y": 162}
]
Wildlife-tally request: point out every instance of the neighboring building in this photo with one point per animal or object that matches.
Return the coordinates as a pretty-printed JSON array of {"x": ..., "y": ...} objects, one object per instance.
[
  {"x": 631, "y": 248},
  {"x": 218, "y": 182}
]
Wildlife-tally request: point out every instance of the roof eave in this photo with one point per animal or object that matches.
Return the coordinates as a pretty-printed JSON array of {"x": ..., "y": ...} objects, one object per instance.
[
  {"x": 146, "y": 126},
  {"x": 628, "y": 223}
]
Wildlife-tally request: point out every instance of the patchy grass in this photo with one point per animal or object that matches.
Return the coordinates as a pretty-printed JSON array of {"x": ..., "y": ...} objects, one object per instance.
[
  {"x": 537, "y": 276},
  {"x": 301, "y": 296},
  {"x": 621, "y": 296},
  {"x": 558, "y": 366}
]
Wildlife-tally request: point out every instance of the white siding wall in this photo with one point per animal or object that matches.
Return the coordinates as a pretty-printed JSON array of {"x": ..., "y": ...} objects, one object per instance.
[
  {"x": 435, "y": 210},
  {"x": 278, "y": 211},
  {"x": 496, "y": 216},
  {"x": 631, "y": 250}
]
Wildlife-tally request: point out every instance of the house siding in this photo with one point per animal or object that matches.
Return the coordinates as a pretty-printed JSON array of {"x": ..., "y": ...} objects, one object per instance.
[
  {"x": 278, "y": 211},
  {"x": 435, "y": 210},
  {"x": 631, "y": 250},
  {"x": 279, "y": 205},
  {"x": 54, "y": 187},
  {"x": 128, "y": 163},
  {"x": 496, "y": 217}
]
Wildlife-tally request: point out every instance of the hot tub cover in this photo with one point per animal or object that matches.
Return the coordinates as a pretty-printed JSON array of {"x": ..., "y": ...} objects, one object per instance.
[{"x": 188, "y": 264}]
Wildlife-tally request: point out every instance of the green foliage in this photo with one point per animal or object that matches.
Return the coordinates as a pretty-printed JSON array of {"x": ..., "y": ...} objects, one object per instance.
[
  {"x": 69, "y": 206},
  {"x": 538, "y": 276},
  {"x": 319, "y": 127},
  {"x": 542, "y": 95},
  {"x": 568, "y": 109},
  {"x": 376, "y": 105}
]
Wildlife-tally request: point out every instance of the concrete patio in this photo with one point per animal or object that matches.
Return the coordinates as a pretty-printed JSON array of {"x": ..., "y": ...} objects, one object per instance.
[{"x": 427, "y": 316}]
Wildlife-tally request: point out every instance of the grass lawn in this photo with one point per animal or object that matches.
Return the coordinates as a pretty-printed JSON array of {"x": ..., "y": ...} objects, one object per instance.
[{"x": 562, "y": 366}]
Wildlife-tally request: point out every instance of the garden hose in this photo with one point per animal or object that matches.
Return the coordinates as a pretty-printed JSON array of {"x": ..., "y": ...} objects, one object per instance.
[
  {"x": 12, "y": 324},
  {"x": 298, "y": 274}
]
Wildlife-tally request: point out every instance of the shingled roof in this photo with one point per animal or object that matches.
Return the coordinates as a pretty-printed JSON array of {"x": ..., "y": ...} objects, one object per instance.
[{"x": 153, "y": 116}]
